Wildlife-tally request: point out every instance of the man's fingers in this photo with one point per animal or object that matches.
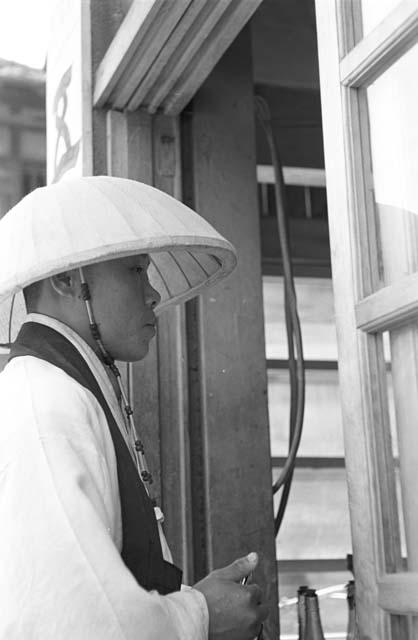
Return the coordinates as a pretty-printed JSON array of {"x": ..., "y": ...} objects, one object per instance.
[
  {"x": 239, "y": 569},
  {"x": 256, "y": 594},
  {"x": 263, "y": 611}
]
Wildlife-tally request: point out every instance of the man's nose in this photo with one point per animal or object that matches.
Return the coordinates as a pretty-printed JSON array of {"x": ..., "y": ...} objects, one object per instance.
[{"x": 152, "y": 297}]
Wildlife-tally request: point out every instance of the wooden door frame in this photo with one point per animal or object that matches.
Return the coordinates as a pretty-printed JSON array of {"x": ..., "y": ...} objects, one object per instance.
[{"x": 364, "y": 307}]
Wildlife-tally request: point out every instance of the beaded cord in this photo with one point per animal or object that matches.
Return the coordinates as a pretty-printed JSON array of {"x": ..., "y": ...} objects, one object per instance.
[{"x": 109, "y": 361}]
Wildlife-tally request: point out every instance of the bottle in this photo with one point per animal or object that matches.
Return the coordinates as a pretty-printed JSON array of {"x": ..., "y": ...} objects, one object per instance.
[
  {"x": 301, "y": 611},
  {"x": 313, "y": 627},
  {"x": 352, "y": 633}
]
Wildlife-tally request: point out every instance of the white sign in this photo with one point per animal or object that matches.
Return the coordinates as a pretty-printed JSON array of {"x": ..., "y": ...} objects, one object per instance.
[{"x": 68, "y": 101}]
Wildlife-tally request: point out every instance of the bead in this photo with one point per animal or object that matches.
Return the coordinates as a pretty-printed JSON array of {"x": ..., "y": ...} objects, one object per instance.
[
  {"x": 85, "y": 291},
  {"x": 128, "y": 410},
  {"x": 107, "y": 359},
  {"x": 114, "y": 369},
  {"x": 146, "y": 476},
  {"x": 139, "y": 446},
  {"x": 94, "y": 330}
]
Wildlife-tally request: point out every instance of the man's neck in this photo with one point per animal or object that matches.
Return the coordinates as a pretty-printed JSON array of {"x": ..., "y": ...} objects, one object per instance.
[{"x": 38, "y": 315}]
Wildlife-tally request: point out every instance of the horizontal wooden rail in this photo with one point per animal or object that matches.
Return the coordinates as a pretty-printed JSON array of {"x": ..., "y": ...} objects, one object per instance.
[
  {"x": 389, "y": 307},
  {"x": 398, "y": 593},
  {"x": 297, "y": 176},
  {"x": 382, "y": 46}
]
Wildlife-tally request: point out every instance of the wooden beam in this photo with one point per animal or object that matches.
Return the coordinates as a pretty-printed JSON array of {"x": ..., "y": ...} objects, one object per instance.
[
  {"x": 389, "y": 307},
  {"x": 172, "y": 372},
  {"x": 164, "y": 50},
  {"x": 224, "y": 33},
  {"x": 398, "y": 593},
  {"x": 167, "y": 55},
  {"x": 199, "y": 32},
  {"x": 133, "y": 29},
  {"x": 382, "y": 46},
  {"x": 237, "y": 499},
  {"x": 151, "y": 46},
  {"x": 298, "y": 176},
  {"x": 362, "y": 372}
]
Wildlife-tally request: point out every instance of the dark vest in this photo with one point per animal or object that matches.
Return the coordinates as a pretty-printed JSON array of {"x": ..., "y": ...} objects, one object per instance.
[{"x": 141, "y": 547}]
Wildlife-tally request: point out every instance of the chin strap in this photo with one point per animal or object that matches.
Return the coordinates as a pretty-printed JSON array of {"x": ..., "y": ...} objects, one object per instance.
[{"x": 109, "y": 361}]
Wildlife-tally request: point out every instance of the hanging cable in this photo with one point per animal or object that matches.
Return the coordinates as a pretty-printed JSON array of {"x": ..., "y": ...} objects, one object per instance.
[{"x": 293, "y": 330}]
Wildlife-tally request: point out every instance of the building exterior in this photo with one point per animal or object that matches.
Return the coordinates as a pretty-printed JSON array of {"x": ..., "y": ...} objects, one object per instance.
[
  {"x": 22, "y": 132},
  {"x": 164, "y": 93}
]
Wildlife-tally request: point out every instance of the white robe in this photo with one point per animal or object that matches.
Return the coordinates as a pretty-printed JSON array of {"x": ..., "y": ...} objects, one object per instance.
[{"x": 61, "y": 573}]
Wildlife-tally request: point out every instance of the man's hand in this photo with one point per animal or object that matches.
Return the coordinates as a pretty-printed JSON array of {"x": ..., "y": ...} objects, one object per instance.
[{"x": 235, "y": 611}]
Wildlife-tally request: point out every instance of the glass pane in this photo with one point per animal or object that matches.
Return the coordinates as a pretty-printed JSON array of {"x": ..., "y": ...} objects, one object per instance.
[
  {"x": 374, "y": 11},
  {"x": 316, "y": 312},
  {"x": 316, "y": 524},
  {"x": 322, "y": 429},
  {"x": 402, "y": 422},
  {"x": 394, "y": 143}
]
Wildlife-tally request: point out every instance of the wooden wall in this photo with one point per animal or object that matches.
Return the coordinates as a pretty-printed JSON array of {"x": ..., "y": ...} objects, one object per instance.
[{"x": 233, "y": 412}]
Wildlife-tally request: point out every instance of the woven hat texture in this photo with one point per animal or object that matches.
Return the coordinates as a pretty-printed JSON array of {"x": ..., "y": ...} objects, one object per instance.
[{"x": 80, "y": 221}]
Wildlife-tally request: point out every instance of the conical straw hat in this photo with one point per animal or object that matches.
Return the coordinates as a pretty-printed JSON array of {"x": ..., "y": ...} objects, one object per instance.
[{"x": 81, "y": 221}]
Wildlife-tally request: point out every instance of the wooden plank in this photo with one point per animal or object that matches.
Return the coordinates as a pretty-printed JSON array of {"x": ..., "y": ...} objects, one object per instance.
[
  {"x": 369, "y": 277},
  {"x": 137, "y": 22},
  {"x": 198, "y": 33},
  {"x": 106, "y": 18},
  {"x": 162, "y": 45},
  {"x": 298, "y": 176},
  {"x": 117, "y": 144},
  {"x": 398, "y": 593},
  {"x": 210, "y": 53},
  {"x": 117, "y": 165},
  {"x": 149, "y": 47},
  {"x": 399, "y": 254},
  {"x": 361, "y": 363},
  {"x": 381, "y": 47},
  {"x": 141, "y": 377},
  {"x": 172, "y": 371},
  {"x": 389, "y": 307},
  {"x": 237, "y": 500},
  {"x": 167, "y": 53}
]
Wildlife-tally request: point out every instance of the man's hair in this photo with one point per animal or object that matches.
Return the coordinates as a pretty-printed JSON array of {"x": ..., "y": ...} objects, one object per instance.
[{"x": 32, "y": 294}]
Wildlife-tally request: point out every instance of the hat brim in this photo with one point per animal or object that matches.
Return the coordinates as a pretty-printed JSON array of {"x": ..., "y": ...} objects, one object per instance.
[{"x": 49, "y": 232}]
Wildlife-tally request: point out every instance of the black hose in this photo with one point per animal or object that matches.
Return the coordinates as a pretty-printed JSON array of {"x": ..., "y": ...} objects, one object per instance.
[{"x": 294, "y": 336}]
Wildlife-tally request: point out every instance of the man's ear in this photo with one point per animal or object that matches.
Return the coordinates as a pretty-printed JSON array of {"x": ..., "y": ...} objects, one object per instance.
[{"x": 65, "y": 284}]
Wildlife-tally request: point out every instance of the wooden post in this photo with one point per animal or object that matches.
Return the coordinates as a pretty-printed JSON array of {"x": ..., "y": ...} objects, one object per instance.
[
  {"x": 233, "y": 510},
  {"x": 172, "y": 372}
]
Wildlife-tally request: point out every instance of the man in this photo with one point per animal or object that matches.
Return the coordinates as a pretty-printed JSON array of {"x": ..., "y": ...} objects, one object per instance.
[{"x": 82, "y": 555}]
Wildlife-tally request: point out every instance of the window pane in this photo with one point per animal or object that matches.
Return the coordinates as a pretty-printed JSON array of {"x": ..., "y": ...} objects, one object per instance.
[
  {"x": 394, "y": 143},
  {"x": 374, "y": 11},
  {"x": 322, "y": 429},
  {"x": 316, "y": 312},
  {"x": 316, "y": 524},
  {"x": 322, "y": 425}
]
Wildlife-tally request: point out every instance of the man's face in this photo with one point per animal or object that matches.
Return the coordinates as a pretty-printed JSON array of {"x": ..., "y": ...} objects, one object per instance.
[{"x": 123, "y": 301}]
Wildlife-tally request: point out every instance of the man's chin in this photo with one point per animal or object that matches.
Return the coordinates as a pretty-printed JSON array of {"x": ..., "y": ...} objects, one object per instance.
[
  {"x": 135, "y": 355},
  {"x": 133, "y": 352}
]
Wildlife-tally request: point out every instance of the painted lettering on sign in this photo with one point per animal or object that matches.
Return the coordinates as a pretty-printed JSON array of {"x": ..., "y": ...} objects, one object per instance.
[{"x": 66, "y": 154}]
